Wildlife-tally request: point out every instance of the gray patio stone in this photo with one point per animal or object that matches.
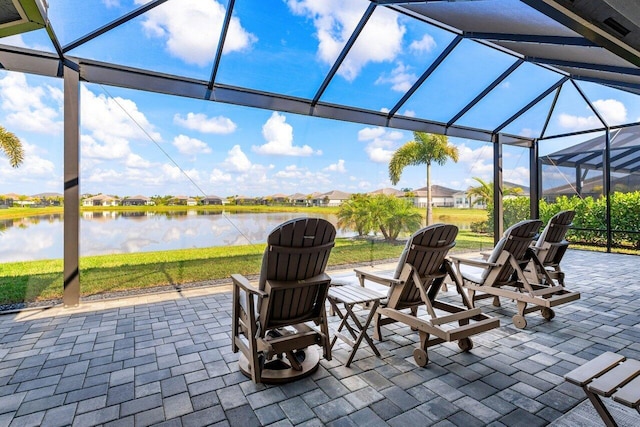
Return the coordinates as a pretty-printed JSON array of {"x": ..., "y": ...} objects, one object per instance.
[{"x": 171, "y": 363}]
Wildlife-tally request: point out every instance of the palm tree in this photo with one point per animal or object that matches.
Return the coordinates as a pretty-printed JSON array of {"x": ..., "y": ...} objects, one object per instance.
[
  {"x": 12, "y": 147},
  {"x": 355, "y": 213},
  {"x": 425, "y": 148},
  {"x": 484, "y": 192}
]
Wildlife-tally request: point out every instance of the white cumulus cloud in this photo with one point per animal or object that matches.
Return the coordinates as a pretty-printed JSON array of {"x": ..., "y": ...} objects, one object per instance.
[
  {"x": 204, "y": 124},
  {"x": 400, "y": 78},
  {"x": 425, "y": 45},
  {"x": 279, "y": 136},
  {"x": 29, "y": 107},
  {"x": 336, "y": 167},
  {"x": 335, "y": 20},
  {"x": 381, "y": 143},
  {"x": 612, "y": 111},
  {"x": 190, "y": 146},
  {"x": 236, "y": 160},
  {"x": 191, "y": 29}
]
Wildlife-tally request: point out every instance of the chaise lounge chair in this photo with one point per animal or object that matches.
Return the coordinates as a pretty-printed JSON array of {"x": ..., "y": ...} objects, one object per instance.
[
  {"x": 551, "y": 246},
  {"x": 420, "y": 273},
  {"x": 271, "y": 323},
  {"x": 502, "y": 275}
]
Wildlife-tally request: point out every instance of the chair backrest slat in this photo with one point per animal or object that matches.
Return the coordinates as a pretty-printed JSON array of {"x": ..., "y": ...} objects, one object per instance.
[
  {"x": 555, "y": 233},
  {"x": 296, "y": 250},
  {"x": 515, "y": 240},
  {"x": 425, "y": 251}
]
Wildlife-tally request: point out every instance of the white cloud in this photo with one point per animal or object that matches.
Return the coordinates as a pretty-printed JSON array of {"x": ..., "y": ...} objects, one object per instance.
[
  {"x": 116, "y": 148},
  {"x": 204, "y": 124},
  {"x": 409, "y": 113},
  {"x": 400, "y": 78},
  {"x": 217, "y": 176},
  {"x": 381, "y": 143},
  {"x": 236, "y": 160},
  {"x": 203, "y": 19},
  {"x": 425, "y": 45},
  {"x": 612, "y": 111},
  {"x": 135, "y": 161},
  {"x": 518, "y": 175},
  {"x": 336, "y": 167},
  {"x": 279, "y": 136},
  {"x": 33, "y": 168},
  {"x": 107, "y": 118},
  {"x": 335, "y": 20},
  {"x": 190, "y": 146},
  {"x": 476, "y": 161},
  {"x": 111, "y": 3},
  {"x": 26, "y": 105}
]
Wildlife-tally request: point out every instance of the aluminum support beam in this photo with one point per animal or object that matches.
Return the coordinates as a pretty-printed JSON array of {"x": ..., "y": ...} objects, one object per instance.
[
  {"x": 606, "y": 171},
  {"x": 71, "y": 294},
  {"x": 498, "y": 211},
  {"x": 534, "y": 181}
]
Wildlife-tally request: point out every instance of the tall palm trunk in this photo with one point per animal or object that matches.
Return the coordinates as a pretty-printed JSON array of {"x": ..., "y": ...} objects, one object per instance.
[{"x": 429, "y": 208}]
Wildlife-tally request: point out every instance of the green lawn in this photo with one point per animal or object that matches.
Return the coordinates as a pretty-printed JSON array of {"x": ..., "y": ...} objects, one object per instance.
[{"x": 42, "y": 280}]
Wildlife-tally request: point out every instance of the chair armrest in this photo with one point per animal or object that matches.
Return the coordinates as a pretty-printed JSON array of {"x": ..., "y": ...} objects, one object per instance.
[
  {"x": 376, "y": 277},
  {"x": 243, "y": 283},
  {"x": 473, "y": 262},
  {"x": 311, "y": 281}
]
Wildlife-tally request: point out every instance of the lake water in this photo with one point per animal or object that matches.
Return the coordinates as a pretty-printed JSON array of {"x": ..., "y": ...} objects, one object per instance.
[{"x": 102, "y": 233}]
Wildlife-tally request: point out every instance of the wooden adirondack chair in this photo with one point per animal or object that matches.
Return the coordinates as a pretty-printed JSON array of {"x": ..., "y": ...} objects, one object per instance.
[
  {"x": 502, "y": 275},
  {"x": 419, "y": 274},
  {"x": 551, "y": 246},
  {"x": 272, "y": 324}
]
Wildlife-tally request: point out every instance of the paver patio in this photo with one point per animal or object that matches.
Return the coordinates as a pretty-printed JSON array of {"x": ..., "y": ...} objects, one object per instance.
[{"x": 166, "y": 359}]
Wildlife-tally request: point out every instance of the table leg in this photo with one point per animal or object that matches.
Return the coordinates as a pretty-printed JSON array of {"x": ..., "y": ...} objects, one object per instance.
[
  {"x": 600, "y": 408},
  {"x": 363, "y": 330}
]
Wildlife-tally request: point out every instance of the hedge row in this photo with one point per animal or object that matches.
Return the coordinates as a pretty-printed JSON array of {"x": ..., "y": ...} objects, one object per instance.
[{"x": 590, "y": 214}]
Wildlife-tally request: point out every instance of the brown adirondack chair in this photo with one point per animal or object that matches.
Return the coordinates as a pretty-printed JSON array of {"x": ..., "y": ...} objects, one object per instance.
[
  {"x": 502, "y": 275},
  {"x": 274, "y": 323},
  {"x": 419, "y": 274},
  {"x": 551, "y": 246}
]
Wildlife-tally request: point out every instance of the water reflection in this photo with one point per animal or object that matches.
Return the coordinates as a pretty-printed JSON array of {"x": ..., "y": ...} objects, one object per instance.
[{"x": 109, "y": 232}]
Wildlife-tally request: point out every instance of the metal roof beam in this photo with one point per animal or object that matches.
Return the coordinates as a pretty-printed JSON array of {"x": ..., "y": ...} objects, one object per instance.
[
  {"x": 345, "y": 50},
  {"x": 426, "y": 74},
  {"x": 113, "y": 24},
  {"x": 531, "y": 104},
  {"x": 530, "y": 38},
  {"x": 584, "y": 97},
  {"x": 484, "y": 93},
  {"x": 585, "y": 65},
  {"x": 591, "y": 32},
  {"x": 551, "y": 108},
  {"x": 223, "y": 37}
]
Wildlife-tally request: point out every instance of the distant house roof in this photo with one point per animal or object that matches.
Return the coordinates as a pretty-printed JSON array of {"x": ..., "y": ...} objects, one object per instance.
[
  {"x": 298, "y": 196},
  {"x": 103, "y": 197},
  {"x": 276, "y": 196},
  {"x": 436, "y": 191},
  {"x": 139, "y": 197},
  {"x": 388, "y": 192},
  {"x": 47, "y": 195},
  {"x": 212, "y": 197},
  {"x": 335, "y": 195}
]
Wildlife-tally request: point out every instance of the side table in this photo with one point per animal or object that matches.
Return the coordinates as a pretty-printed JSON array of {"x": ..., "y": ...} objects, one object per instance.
[{"x": 349, "y": 296}]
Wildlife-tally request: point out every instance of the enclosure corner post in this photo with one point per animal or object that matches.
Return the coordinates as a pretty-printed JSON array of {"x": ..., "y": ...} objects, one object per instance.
[
  {"x": 71, "y": 295},
  {"x": 498, "y": 214},
  {"x": 535, "y": 180}
]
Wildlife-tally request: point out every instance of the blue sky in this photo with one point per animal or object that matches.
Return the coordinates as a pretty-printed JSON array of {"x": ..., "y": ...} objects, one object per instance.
[{"x": 142, "y": 143}]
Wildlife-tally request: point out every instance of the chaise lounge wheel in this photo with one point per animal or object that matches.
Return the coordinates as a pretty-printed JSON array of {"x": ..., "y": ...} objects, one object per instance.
[
  {"x": 420, "y": 357},
  {"x": 465, "y": 344},
  {"x": 548, "y": 313},
  {"x": 519, "y": 321}
]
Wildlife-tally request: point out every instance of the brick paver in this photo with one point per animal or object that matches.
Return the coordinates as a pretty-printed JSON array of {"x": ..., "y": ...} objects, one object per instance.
[{"x": 170, "y": 362}]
